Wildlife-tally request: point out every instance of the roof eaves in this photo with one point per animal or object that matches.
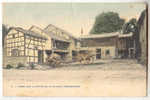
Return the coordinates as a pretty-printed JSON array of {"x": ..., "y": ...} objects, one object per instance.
[
  {"x": 104, "y": 35},
  {"x": 125, "y": 35}
]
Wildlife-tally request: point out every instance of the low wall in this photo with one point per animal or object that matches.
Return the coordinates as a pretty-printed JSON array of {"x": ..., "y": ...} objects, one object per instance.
[{"x": 14, "y": 60}]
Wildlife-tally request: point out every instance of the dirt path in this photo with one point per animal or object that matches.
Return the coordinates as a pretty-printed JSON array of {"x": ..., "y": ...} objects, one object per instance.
[{"x": 114, "y": 78}]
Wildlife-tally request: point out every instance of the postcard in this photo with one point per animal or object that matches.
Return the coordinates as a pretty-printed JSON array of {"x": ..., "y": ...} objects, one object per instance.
[{"x": 75, "y": 49}]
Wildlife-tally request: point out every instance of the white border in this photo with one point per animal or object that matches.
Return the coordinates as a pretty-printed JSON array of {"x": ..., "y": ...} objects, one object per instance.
[
  {"x": 74, "y": 1},
  {"x": 72, "y": 98}
]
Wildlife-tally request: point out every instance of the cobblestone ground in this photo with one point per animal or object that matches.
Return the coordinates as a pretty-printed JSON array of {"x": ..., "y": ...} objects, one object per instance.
[{"x": 103, "y": 78}]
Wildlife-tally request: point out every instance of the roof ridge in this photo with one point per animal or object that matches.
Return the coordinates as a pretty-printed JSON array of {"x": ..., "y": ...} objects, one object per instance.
[
  {"x": 34, "y": 26},
  {"x": 66, "y": 32}
]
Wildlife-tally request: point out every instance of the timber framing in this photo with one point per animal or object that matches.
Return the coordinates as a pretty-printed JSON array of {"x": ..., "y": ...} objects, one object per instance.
[{"x": 20, "y": 42}]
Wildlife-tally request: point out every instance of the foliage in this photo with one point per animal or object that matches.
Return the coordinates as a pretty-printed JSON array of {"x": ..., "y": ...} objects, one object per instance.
[
  {"x": 106, "y": 23},
  {"x": 130, "y": 26},
  {"x": 32, "y": 65},
  {"x": 20, "y": 65},
  {"x": 9, "y": 66}
]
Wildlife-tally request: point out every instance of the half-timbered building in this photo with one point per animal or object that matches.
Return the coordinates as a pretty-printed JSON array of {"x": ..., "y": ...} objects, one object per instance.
[
  {"x": 23, "y": 46},
  {"x": 35, "y": 44}
]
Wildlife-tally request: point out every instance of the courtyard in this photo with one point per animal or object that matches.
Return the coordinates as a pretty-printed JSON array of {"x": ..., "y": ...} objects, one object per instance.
[{"x": 103, "y": 78}]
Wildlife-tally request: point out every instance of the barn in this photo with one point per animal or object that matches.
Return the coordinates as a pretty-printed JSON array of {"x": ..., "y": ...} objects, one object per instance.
[
  {"x": 104, "y": 46},
  {"x": 109, "y": 45}
]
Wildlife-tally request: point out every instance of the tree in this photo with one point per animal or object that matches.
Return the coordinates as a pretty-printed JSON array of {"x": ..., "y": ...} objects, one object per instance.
[
  {"x": 107, "y": 22},
  {"x": 5, "y": 31},
  {"x": 130, "y": 26}
]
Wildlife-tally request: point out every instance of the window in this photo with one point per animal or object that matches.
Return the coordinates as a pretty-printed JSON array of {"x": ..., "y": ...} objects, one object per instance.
[
  {"x": 107, "y": 52},
  {"x": 15, "y": 52}
]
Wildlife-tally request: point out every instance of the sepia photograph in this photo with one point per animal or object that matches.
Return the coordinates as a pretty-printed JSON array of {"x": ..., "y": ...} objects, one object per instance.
[{"x": 75, "y": 49}]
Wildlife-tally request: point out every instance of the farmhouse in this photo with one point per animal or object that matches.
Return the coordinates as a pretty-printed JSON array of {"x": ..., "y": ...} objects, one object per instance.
[
  {"x": 35, "y": 44},
  {"x": 23, "y": 46}
]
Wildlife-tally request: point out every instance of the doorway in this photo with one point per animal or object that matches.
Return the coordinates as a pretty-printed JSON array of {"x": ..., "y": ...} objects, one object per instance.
[
  {"x": 98, "y": 53},
  {"x": 131, "y": 53},
  {"x": 40, "y": 56}
]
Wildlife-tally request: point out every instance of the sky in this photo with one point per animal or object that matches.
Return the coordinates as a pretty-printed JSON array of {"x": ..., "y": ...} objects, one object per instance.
[{"x": 68, "y": 16}]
